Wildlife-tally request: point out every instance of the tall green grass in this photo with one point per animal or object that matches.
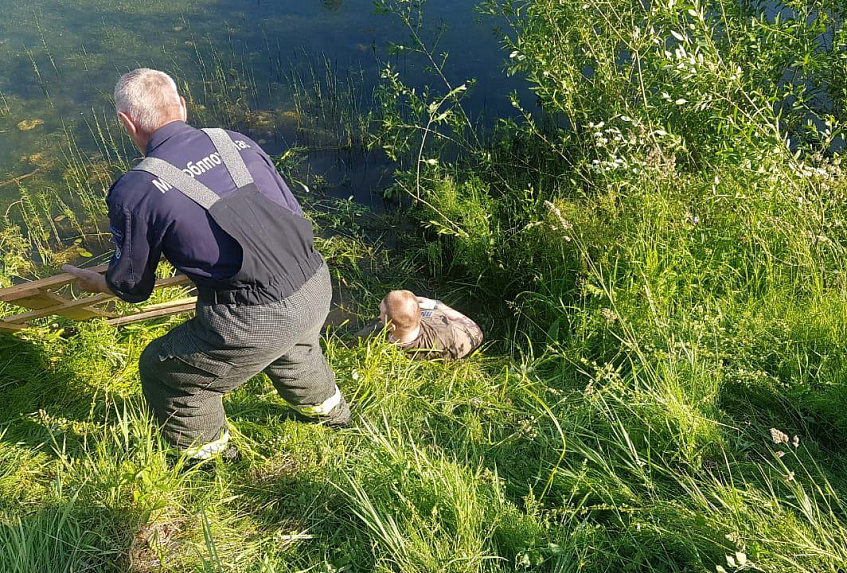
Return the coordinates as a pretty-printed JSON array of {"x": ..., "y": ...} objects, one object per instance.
[
  {"x": 666, "y": 239},
  {"x": 662, "y": 289}
]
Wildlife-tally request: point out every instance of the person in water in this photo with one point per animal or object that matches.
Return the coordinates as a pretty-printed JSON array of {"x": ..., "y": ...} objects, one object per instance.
[
  {"x": 213, "y": 204},
  {"x": 425, "y": 328}
]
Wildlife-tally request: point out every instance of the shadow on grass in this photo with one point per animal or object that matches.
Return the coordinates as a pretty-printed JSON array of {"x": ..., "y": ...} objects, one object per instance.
[
  {"x": 67, "y": 537},
  {"x": 48, "y": 404},
  {"x": 298, "y": 501},
  {"x": 33, "y": 391}
]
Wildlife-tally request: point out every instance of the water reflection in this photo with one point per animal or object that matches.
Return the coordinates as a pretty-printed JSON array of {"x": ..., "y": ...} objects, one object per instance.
[{"x": 235, "y": 60}]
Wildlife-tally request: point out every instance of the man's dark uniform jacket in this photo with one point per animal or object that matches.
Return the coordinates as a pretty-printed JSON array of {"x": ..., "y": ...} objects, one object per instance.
[{"x": 148, "y": 218}]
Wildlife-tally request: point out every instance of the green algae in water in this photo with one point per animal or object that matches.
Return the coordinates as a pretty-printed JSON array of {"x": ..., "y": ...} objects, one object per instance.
[
  {"x": 119, "y": 40},
  {"x": 230, "y": 59},
  {"x": 29, "y": 124}
]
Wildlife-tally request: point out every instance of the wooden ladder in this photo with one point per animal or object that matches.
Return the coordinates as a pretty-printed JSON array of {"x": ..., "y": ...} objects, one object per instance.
[{"x": 41, "y": 299}]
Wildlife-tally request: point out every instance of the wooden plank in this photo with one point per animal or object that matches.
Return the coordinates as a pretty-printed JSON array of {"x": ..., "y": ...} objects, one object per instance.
[
  {"x": 4, "y": 327},
  {"x": 11, "y": 293},
  {"x": 43, "y": 302},
  {"x": 36, "y": 299},
  {"x": 71, "y": 309},
  {"x": 33, "y": 288},
  {"x": 170, "y": 303},
  {"x": 79, "y": 310},
  {"x": 82, "y": 313},
  {"x": 184, "y": 307},
  {"x": 172, "y": 281}
]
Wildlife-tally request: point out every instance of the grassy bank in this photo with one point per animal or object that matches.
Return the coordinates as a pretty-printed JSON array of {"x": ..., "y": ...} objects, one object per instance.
[{"x": 657, "y": 257}]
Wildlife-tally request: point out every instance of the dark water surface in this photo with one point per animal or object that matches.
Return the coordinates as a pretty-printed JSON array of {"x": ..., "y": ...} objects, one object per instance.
[
  {"x": 59, "y": 60},
  {"x": 236, "y": 61}
]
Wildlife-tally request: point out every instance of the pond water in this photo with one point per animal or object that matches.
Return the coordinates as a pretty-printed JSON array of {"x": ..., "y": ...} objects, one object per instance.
[
  {"x": 256, "y": 66},
  {"x": 236, "y": 60}
]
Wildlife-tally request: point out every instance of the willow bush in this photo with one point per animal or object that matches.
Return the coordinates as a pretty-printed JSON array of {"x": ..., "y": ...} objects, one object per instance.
[{"x": 664, "y": 234}]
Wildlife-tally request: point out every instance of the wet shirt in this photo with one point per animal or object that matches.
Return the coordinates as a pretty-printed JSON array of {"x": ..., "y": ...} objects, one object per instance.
[
  {"x": 443, "y": 337},
  {"x": 148, "y": 218}
]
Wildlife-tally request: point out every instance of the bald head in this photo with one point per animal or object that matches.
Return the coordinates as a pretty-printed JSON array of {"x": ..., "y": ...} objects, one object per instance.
[
  {"x": 149, "y": 98},
  {"x": 402, "y": 309}
]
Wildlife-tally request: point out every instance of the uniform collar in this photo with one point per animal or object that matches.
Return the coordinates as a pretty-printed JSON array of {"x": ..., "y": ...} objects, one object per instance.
[
  {"x": 416, "y": 332},
  {"x": 164, "y": 133}
]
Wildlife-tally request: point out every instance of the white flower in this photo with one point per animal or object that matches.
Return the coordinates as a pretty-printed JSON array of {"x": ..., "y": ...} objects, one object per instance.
[{"x": 778, "y": 437}]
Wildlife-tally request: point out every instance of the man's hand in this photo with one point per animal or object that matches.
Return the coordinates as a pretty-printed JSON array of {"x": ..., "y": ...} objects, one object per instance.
[{"x": 87, "y": 280}]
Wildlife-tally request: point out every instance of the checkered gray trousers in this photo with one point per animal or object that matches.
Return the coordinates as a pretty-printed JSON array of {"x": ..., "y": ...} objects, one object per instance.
[{"x": 186, "y": 373}]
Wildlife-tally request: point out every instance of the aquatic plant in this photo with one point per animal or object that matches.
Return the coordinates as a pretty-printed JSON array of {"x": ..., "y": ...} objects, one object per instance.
[{"x": 330, "y": 107}]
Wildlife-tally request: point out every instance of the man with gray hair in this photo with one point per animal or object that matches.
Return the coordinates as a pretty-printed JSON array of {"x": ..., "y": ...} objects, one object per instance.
[{"x": 213, "y": 204}]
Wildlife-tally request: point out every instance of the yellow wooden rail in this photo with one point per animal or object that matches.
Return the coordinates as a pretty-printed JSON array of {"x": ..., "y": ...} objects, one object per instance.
[{"x": 41, "y": 299}]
